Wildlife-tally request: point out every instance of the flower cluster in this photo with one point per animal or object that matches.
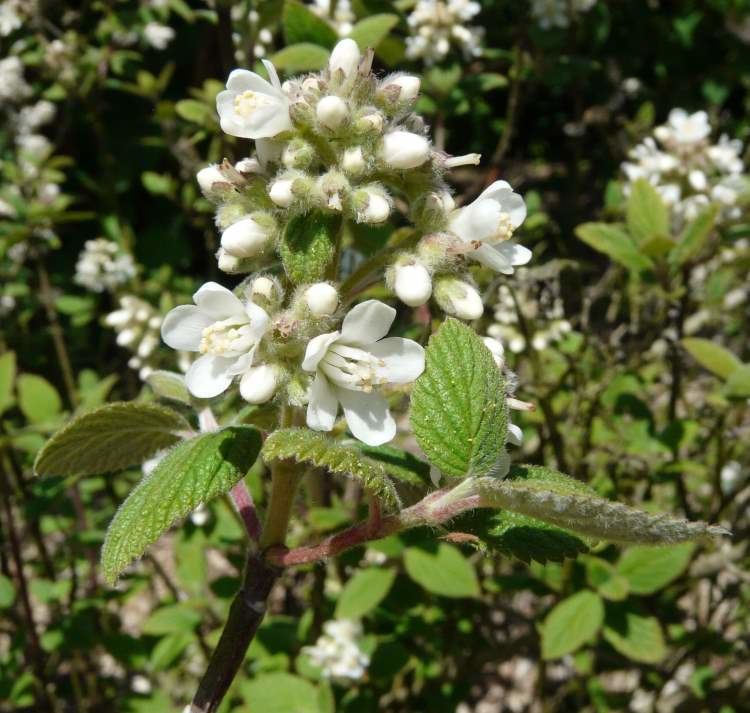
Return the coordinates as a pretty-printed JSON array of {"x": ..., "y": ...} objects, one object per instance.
[
  {"x": 558, "y": 13},
  {"x": 689, "y": 171},
  {"x": 542, "y": 308},
  {"x": 436, "y": 25},
  {"x": 338, "y": 14},
  {"x": 337, "y": 652},
  {"x": 103, "y": 266},
  {"x": 332, "y": 148},
  {"x": 137, "y": 325}
]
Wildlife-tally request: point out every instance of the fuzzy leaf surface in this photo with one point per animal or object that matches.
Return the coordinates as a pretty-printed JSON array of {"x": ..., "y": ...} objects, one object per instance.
[
  {"x": 192, "y": 473},
  {"x": 307, "y": 246},
  {"x": 306, "y": 446},
  {"x": 458, "y": 409},
  {"x": 110, "y": 438},
  {"x": 400, "y": 465}
]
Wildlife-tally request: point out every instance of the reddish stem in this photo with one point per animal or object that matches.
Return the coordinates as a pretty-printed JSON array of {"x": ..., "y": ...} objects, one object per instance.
[{"x": 243, "y": 501}]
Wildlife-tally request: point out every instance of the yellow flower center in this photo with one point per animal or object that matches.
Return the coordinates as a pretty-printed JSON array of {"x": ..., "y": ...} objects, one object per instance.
[{"x": 248, "y": 102}]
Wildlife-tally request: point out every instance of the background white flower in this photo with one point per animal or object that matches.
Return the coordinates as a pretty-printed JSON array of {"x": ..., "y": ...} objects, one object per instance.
[
  {"x": 492, "y": 219},
  {"x": 348, "y": 366},
  {"x": 251, "y": 107},
  {"x": 223, "y": 329},
  {"x": 336, "y": 652}
]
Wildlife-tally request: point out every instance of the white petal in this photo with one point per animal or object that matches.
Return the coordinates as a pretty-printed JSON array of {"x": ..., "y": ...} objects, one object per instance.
[
  {"x": 366, "y": 323},
  {"x": 514, "y": 253},
  {"x": 490, "y": 256},
  {"x": 218, "y": 302},
  {"x": 259, "y": 319},
  {"x": 208, "y": 376},
  {"x": 183, "y": 327},
  {"x": 493, "y": 189},
  {"x": 258, "y": 384},
  {"x": 477, "y": 221},
  {"x": 512, "y": 204},
  {"x": 404, "y": 359},
  {"x": 241, "y": 363},
  {"x": 367, "y": 416},
  {"x": 242, "y": 80},
  {"x": 316, "y": 349},
  {"x": 272, "y": 74},
  {"x": 323, "y": 405},
  {"x": 515, "y": 435}
]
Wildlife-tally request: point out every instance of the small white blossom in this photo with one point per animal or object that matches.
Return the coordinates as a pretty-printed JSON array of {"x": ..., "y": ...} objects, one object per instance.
[
  {"x": 137, "y": 325},
  {"x": 322, "y": 299},
  {"x": 224, "y": 330},
  {"x": 158, "y": 35},
  {"x": 103, "y": 266},
  {"x": 251, "y": 107},
  {"x": 337, "y": 652},
  {"x": 342, "y": 19},
  {"x": 403, "y": 150},
  {"x": 245, "y": 238},
  {"x": 412, "y": 284},
  {"x": 732, "y": 477},
  {"x": 345, "y": 58},
  {"x": 491, "y": 221},
  {"x": 435, "y": 25},
  {"x": 331, "y": 112},
  {"x": 13, "y": 86},
  {"x": 349, "y": 365},
  {"x": 458, "y": 298}
]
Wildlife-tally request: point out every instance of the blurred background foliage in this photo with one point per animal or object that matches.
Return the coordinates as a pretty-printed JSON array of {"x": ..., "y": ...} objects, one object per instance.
[{"x": 629, "y": 397}]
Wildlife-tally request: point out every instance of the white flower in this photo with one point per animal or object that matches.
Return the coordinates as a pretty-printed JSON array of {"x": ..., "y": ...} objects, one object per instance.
[
  {"x": 349, "y": 365},
  {"x": 731, "y": 477},
  {"x": 223, "y": 329},
  {"x": 10, "y": 16},
  {"x": 437, "y": 24},
  {"x": 491, "y": 220},
  {"x": 412, "y": 284},
  {"x": 345, "y": 57},
  {"x": 252, "y": 108},
  {"x": 280, "y": 192},
  {"x": 331, "y": 112},
  {"x": 259, "y": 383},
  {"x": 246, "y": 238},
  {"x": 158, "y": 35},
  {"x": 405, "y": 87},
  {"x": 684, "y": 128},
  {"x": 403, "y": 149},
  {"x": 209, "y": 176},
  {"x": 322, "y": 299},
  {"x": 458, "y": 298},
  {"x": 103, "y": 266},
  {"x": 337, "y": 652},
  {"x": 13, "y": 86}
]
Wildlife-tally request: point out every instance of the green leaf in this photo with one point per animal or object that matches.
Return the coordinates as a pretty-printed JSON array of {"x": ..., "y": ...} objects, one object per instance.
[
  {"x": 192, "y": 473},
  {"x": 160, "y": 184},
  {"x": 712, "y": 356},
  {"x": 302, "y": 57},
  {"x": 638, "y": 637},
  {"x": 567, "y": 503},
  {"x": 444, "y": 571},
  {"x": 171, "y": 619},
  {"x": 363, "y": 592},
  {"x": 573, "y": 622},
  {"x": 648, "y": 569},
  {"x": 300, "y": 24},
  {"x": 694, "y": 237},
  {"x": 371, "y": 31},
  {"x": 279, "y": 692},
  {"x": 307, "y": 446},
  {"x": 194, "y": 111},
  {"x": 615, "y": 243},
  {"x": 646, "y": 213},
  {"x": 169, "y": 385},
  {"x": 738, "y": 383},
  {"x": 110, "y": 438},
  {"x": 307, "y": 246},
  {"x": 401, "y": 465},
  {"x": 7, "y": 592},
  {"x": 7, "y": 379},
  {"x": 38, "y": 399},
  {"x": 458, "y": 409},
  {"x": 602, "y": 576}
]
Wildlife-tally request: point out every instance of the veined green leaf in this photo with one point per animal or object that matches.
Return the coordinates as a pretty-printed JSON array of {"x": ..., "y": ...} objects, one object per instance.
[
  {"x": 38, "y": 399},
  {"x": 647, "y": 214},
  {"x": 363, "y": 592},
  {"x": 458, "y": 409},
  {"x": 616, "y": 243},
  {"x": 694, "y": 237},
  {"x": 110, "y": 438},
  {"x": 306, "y": 446},
  {"x": 370, "y": 31},
  {"x": 648, "y": 569},
  {"x": 445, "y": 571},
  {"x": 300, "y": 57},
  {"x": 572, "y": 623},
  {"x": 307, "y": 246},
  {"x": 399, "y": 464},
  {"x": 301, "y": 24},
  {"x": 192, "y": 473},
  {"x": 638, "y": 637}
]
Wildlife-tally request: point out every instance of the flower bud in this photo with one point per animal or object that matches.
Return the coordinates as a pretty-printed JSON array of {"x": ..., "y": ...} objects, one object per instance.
[
  {"x": 331, "y": 112},
  {"x": 370, "y": 123},
  {"x": 497, "y": 349},
  {"x": 247, "y": 166},
  {"x": 265, "y": 291},
  {"x": 402, "y": 149},
  {"x": 322, "y": 299},
  {"x": 229, "y": 263},
  {"x": 402, "y": 88},
  {"x": 372, "y": 205},
  {"x": 245, "y": 238},
  {"x": 280, "y": 192},
  {"x": 353, "y": 162},
  {"x": 298, "y": 154},
  {"x": 258, "y": 384},
  {"x": 458, "y": 298},
  {"x": 345, "y": 57},
  {"x": 211, "y": 181},
  {"x": 412, "y": 284}
]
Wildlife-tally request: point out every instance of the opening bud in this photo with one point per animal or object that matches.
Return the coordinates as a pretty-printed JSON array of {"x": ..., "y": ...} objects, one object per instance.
[
  {"x": 331, "y": 111},
  {"x": 372, "y": 205},
  {"x": 400, "y": 88},
  {"x": 259, "y": 383},
  {"x": 212, "y": 181},
  {"x": 403, "y": 150},
  {"x": 322, "y": 299},
  {"x": 230, "y": 263},
  {"x": 458, "y": 298},
  {"x": 248, "y": 166},
  {"x": 245, "y": 238},
  {"x": 412, "y": 284},
  {"x": 353, "y": 162},
  {"x": 345, "y": 58},
  {"x": 371, "y": 123},
  {"x": 265, "y": 291}
]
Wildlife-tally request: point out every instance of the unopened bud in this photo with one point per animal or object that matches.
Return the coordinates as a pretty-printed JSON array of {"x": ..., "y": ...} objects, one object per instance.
[
  {"x": 211, "y": 180},
  {"x": 403, "y": 150},
  {"x": 247, "y": 166},
  {"x": 497, "y": 349},
  {"x": 403, "y": 87},
  {"x": 331, "y": 112},
  {"x": 458, "y": 298},
  {"x": 280, "y": 192},
  {"x": 370, "y": 123},
  {"x": 412, "y": 284},
  {"x": 229, "y": 263},
  {"x": 258, "y": 384},
  {"x": 345, "y": 57},
  {"x": 353, "y": 162},
  {"x": 322, "y": 299},
  {"x": 298, "y": 154},
  {"x": 372, "y": 205},
  {"x": 245, "y": 238}
]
